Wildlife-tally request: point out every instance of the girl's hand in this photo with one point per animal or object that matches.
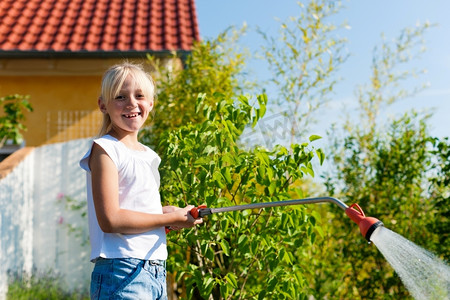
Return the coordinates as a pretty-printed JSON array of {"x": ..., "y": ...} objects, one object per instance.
[
  {"x": 169, "y": 208},
  {"x": 182, "y": 216}
]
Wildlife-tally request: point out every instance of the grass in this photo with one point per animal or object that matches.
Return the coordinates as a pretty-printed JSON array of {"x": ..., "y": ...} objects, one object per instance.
[{"x": 40, "y": 286}]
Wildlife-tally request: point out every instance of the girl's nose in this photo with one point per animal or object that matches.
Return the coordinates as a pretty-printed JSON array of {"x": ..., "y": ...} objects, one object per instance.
[{"x": 132, "y": 101}]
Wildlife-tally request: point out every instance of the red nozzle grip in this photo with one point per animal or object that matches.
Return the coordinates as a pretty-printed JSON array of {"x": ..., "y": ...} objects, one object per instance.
[{"x": 194, "y": 211}]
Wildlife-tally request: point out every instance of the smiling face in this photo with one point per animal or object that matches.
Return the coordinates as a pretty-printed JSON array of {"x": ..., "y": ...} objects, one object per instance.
[{"x": 128, "y": 108}]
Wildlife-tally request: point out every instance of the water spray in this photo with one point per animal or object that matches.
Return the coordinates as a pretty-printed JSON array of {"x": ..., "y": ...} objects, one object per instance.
[{"x": 367, "y": 225}]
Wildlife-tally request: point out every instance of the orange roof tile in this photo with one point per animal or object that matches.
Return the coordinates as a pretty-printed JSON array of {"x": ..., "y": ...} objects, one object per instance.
[{"x": 96, "y": 26}]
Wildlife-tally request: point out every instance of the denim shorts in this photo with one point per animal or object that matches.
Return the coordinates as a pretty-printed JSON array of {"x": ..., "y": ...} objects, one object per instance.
[{"x": 129, "y": 278}]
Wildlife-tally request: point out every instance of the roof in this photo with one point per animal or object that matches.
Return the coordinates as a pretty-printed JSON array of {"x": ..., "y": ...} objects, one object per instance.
[{"x": 96, "y": 27}]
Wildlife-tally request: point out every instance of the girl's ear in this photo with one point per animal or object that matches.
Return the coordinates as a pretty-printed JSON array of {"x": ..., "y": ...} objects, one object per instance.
[{"x": 101, "y": 105}]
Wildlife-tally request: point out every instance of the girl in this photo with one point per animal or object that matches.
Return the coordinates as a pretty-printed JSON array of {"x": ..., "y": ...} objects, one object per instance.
[{"x": 126, "y": 219}]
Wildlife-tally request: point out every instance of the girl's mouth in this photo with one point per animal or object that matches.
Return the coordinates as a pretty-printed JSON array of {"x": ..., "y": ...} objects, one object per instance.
[{"x": 132, "y": 115}]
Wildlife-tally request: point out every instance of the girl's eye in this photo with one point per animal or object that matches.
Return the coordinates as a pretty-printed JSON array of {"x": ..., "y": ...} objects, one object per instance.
[{"x": 119, "y": 97}]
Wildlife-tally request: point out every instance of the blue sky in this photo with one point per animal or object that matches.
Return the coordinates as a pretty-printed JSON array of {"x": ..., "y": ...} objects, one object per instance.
[{"x": 367, "y": 21}]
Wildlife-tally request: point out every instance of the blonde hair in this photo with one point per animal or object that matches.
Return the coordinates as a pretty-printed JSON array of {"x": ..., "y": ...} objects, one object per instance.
[{"x": 112, "y": 82}]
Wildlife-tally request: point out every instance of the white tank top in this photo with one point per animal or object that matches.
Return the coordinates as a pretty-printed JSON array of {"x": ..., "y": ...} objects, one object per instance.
[{"x": 139, "y": 191}]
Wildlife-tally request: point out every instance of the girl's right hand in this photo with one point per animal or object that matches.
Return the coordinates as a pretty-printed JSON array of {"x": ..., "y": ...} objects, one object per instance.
[{"x": 183, "y": 217}]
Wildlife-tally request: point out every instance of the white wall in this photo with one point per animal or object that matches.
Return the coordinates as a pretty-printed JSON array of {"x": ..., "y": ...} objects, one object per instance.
[{"x": 34, "y": 234}]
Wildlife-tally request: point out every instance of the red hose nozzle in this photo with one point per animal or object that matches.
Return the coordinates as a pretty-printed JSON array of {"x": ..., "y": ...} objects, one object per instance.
[{"x": 367, "y": 225}]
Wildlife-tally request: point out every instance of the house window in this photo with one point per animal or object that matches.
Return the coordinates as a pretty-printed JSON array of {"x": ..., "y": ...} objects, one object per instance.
[{"x": 64, "y": 125}]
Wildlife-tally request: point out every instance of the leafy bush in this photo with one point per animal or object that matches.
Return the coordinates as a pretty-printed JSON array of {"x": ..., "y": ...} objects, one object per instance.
[
  {"x": 11, "y": 123},
  {"x": 389, "y": 178},
  {"x": 238, "y": 255}
]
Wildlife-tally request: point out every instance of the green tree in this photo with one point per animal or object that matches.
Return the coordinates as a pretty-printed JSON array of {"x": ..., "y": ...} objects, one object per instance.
[
  {"x": 390, "y": 181},
  {"x": 212, "y": 66},
  {"x": 238, "y": 255},
  {"x": 386, "y": 169},
  {"x": 11, "y": 122},
  {"x": 304, "y": 60}
]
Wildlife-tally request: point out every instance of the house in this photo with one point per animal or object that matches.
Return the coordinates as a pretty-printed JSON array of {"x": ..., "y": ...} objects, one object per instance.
[{"x": 56, "y": 51}]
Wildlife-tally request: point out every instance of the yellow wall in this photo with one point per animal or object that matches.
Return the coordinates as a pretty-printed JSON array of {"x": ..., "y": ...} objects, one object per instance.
[
  {"x": 51, "y": 93},
  {"x": 53, "y": 85}
]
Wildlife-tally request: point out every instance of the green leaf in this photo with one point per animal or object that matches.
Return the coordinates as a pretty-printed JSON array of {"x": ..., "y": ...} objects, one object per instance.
[
  {"x": 314, "y": 137},
  {"x": 320, "y": 155},
  {"x": 200, "y": 98},
  {"x": 226, "y": 174},
  {"x": 207, "y": 283},
  {"x": 225, "y": 247},
  {"x": 218, "y": 178},
  {"x": 272, "y": 187},
  {"x": 224, "y": 290},
  {"x": 242, "y": 239},
  {"x": 232, "y": 280},
  {"x": 313, "y": 237}
]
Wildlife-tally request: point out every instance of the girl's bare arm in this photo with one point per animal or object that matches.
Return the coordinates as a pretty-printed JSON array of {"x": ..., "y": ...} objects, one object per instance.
[{"x": 113, "y": 219}]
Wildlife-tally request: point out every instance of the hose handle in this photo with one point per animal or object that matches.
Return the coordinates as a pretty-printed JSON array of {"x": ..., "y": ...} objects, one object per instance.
[{"x": 196, "y": 212}]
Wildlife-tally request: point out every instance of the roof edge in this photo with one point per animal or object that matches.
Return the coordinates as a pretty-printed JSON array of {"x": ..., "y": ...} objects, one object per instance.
[{"x": 91, "y": 54}]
